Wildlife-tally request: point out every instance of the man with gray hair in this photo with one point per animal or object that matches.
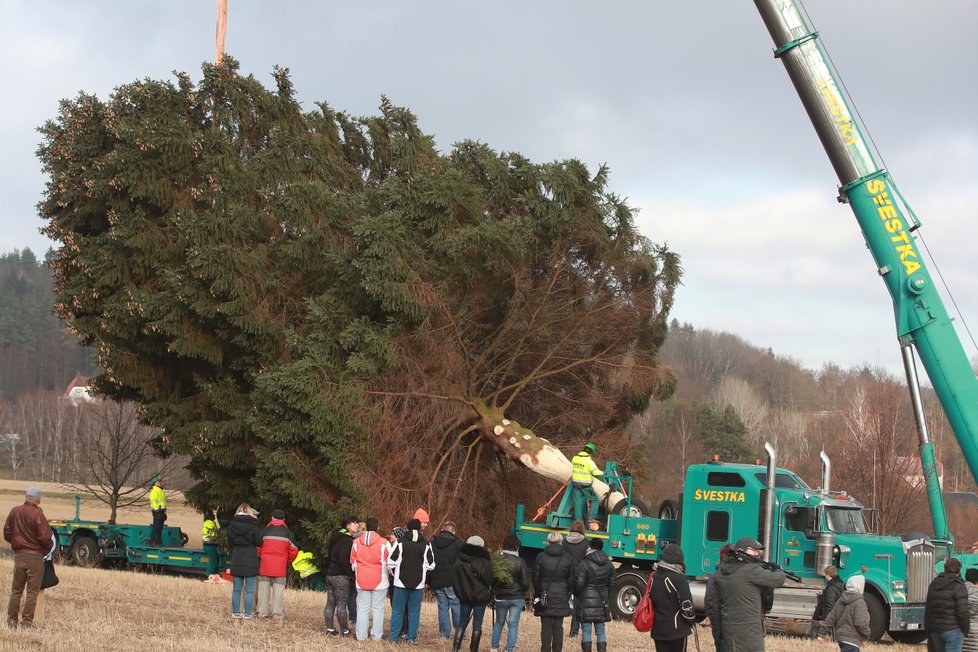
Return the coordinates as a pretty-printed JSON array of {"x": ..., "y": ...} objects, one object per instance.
[{"x": 28, "y": 533}]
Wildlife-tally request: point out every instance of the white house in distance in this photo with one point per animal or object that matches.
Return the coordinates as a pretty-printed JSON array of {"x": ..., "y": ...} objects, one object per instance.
[
  {"x": 913, "y": 471},
  {"x": 77, "y": 391}
]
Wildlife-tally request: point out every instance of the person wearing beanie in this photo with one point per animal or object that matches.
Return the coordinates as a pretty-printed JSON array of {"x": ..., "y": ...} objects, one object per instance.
[
  {"x": 593, "y": 581},
  {"x": 849, "y": 617},
  {"x": 368, "y": 558},
  {"x": 278, "y": 550},
  {"x": 422, "y": 517},
  {"x": 410, "y": 560},
  {"x": 445, "y": 547},
  {"x": 510, "y": 596},
  {"x": 339, "y": 574},
  {"x": 946, "y": 617},
  {"x": 672, "y": 601},
  {"x": 575, "y": 543},
  {"x": 553, "y": 584},
  {"x": 28, "y": 533},
  {"x": 472, "y": 580}
]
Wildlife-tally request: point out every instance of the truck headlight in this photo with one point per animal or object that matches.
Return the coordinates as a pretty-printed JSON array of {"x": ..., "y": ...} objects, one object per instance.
[{"x": 898, "y": 585}]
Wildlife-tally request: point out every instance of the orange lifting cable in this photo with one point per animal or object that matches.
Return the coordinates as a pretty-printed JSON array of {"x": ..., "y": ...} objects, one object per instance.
[{"x": 544, "y": 508}]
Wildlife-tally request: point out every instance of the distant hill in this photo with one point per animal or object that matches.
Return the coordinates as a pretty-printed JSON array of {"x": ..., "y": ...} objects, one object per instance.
[{"x": 36, "y": 351}]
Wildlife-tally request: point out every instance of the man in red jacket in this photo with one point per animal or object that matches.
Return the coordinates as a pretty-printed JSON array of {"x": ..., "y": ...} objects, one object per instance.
[
  {"x": 28, "y": 533},
  {"x": 278, "y": 550}
]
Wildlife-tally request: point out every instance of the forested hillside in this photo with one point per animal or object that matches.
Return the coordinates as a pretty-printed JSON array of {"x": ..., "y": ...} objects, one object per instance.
[
  {"x": 36, "y": 352},
  {"x": 731, "y": 397}
]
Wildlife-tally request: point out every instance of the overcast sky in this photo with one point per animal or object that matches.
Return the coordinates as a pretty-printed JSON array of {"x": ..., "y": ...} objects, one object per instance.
[{"x": 683, "y": 100}]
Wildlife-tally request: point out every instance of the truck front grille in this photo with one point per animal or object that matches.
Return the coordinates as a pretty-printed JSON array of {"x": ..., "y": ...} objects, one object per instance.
[{"x": 920, "y": 571}]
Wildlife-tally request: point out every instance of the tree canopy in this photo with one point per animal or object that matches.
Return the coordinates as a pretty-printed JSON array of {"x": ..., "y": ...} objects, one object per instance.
[{"x": 328, "y": 314}]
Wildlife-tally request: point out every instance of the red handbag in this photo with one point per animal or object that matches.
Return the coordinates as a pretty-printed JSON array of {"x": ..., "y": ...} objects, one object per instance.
[{"x": 644, "y": 616}]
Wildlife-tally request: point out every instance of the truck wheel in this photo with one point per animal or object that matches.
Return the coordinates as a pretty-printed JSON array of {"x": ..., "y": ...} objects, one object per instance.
[
  {"x": 669, "y": 509},
  {"x": 638, "y": 508},
  {"x": 628, "y": 590},
  {"x": 879, "y": 619},
  {"x": 908, "y": 637},
  {"x": 84, "y": 552}
]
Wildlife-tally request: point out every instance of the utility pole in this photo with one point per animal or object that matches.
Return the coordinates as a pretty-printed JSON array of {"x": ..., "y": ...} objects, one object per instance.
[{"x": 222, "y": 28}]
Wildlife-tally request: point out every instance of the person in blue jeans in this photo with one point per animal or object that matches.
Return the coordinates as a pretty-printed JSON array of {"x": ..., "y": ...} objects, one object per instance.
[
  {"x": 946, "y": 616},
  {"x": 472, "y": 579},
  {"x": 410, "y": 560},
  {"x": 593, "y": 582},
  {"x": 244, "y": 537},
  {"x": 510, "y": 596},
  {"x": 445, "y": 547}
]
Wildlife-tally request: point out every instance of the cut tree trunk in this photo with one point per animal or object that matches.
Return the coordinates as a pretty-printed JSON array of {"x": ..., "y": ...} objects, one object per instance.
[{"x": 535, "y": 453}]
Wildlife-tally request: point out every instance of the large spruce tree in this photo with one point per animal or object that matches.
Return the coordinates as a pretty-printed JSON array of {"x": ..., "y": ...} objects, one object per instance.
[{"x": 328, "y": 314}]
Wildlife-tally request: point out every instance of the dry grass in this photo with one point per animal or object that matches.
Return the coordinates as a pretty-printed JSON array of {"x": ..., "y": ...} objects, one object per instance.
[{"x": 108, "y": 609}]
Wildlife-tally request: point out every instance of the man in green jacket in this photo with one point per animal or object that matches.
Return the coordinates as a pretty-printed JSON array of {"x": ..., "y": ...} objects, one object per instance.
[
  {"x": 585, "y": 470},
  {"x": 741, "y": 582}
]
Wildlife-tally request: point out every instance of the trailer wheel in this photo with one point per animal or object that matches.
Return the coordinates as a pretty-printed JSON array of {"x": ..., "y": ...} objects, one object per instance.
[
  {"x": 878, "y": 617},
  {"x": 637, "y": 509},
  {"x": 84, "y": 552},
  {"x": 669, "y": 509},
  {"x": 909, "y": 637},
  {"x": 628, "y": 590}
]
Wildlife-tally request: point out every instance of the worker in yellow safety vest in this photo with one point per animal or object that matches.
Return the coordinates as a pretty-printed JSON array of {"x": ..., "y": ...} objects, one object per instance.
[
  {"x": 208, "y": 535},
  {"x": 309, "y": 575},
  {"x": 585, "y": 470},
  {"x": 157, "y": 505}
]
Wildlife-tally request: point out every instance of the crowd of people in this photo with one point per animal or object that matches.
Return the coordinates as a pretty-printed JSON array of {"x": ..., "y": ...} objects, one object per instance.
[{"x": 365, "y": 571}]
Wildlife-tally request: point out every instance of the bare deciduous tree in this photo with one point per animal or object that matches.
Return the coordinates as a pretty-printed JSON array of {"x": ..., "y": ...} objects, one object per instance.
[{"x": 115, "y": 457}]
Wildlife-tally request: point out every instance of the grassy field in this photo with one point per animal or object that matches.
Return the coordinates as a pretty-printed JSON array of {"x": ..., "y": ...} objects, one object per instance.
[{"x": 128, "y": 610}]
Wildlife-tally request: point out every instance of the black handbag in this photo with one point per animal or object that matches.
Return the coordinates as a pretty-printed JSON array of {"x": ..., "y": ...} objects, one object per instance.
[
  {"x": 539, "y": 604},
  {"x": 50, "y": 578}
]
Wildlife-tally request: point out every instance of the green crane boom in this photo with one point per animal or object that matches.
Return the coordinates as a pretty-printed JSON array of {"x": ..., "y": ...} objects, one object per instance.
[{"x": 888, "y": 226}]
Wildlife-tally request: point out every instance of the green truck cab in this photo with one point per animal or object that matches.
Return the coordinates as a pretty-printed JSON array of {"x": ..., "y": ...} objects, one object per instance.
[{"x": 804, "y": 530}]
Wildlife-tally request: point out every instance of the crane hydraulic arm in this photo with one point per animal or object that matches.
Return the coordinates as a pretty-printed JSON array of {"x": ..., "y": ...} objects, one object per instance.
[{"x": 888, "y": 227}]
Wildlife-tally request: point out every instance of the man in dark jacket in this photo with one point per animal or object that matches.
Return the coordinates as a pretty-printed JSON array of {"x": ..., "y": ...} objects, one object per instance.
[
  {"x": 833, "y": 590},
  {"x": 575, "y": 543},
  {"x": 472, "y": 580},
  {"x": 411, "y": 559},
  {"x": 445, "y": 547},
  {"x": 712, "y": 606},
  {"x": 278, "y": 550},
  {"x": 946, "y": 617},
  {"x": 553, "y": 583},
  {"x": 510, "y": 596},
  {"x": 741, "y": 581},
  {"x": 339, "y": 574},
  {"x": 28, "y": 533},
  {"x": 593, "y": 582}
]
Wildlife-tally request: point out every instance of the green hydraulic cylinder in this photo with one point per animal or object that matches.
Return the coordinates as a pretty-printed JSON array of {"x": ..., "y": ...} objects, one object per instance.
[{"x": 888, "y": 227}]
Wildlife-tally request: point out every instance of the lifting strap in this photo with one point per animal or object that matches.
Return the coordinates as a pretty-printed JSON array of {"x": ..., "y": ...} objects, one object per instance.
[{"x": 544, "y": 508}]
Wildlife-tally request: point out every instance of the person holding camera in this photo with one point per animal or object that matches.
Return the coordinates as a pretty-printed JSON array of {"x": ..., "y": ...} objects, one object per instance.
[{"x": 744, "y": 584}]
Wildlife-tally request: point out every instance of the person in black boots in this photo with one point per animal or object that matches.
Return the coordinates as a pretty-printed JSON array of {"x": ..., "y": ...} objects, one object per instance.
[
  {"x": 575, "y": 543},
  {"x": 553, "y": 582},
  {"x": 471, "y": 579},
  {"x": 593, "y": 583}
]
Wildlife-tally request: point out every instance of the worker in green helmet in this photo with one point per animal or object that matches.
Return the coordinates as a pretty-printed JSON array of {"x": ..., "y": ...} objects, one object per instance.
[{"x": 585, "y": 470}]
